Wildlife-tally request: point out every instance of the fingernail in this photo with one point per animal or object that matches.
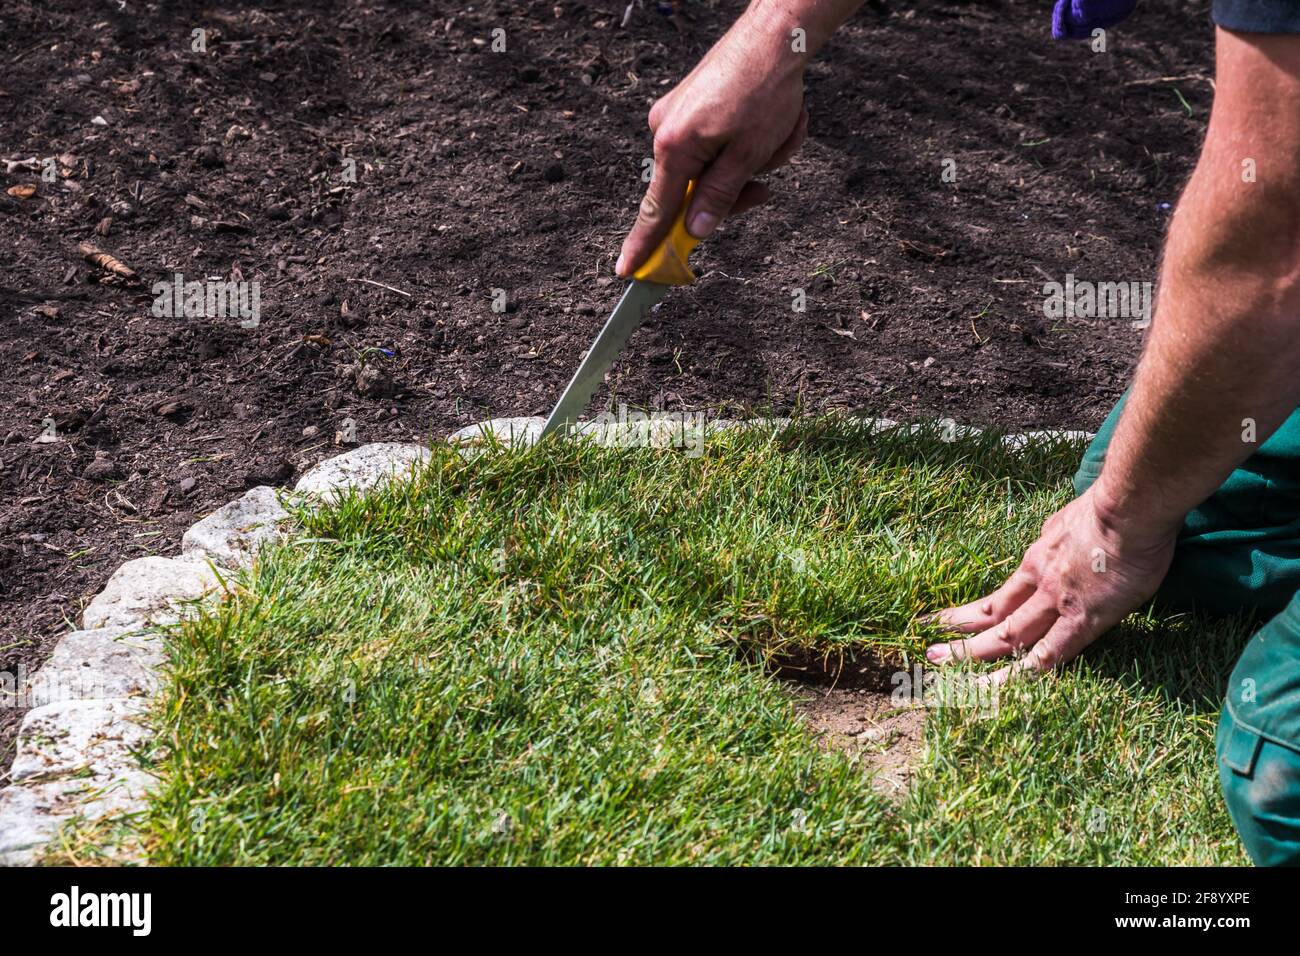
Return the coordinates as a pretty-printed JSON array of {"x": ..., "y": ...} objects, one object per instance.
[
  {"x": 618, "y": 266},
  {"x": 938, "y": 653},
  {"x": 702, "y": 224}
]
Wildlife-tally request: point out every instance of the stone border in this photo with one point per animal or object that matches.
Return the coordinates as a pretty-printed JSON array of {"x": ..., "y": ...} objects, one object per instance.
[
  {"x": 76, "y": 751},
  {"x": 75, "y": 757}
]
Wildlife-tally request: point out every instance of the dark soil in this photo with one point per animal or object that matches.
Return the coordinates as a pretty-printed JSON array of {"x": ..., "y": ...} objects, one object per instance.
[{"x": 520, "y": 171}]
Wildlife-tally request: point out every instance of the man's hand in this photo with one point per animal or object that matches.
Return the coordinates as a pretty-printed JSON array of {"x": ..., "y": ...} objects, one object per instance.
[
  {"x": 738, "y": 113},
  {"x": 1086, "y": 571},
  {"x": 1220, "y": 373}
]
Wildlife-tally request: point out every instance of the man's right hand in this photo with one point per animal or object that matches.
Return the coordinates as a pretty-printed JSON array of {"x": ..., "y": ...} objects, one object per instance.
[
  {"x": 738, "y": 113},
  {"x": 1093, "y": 564}
]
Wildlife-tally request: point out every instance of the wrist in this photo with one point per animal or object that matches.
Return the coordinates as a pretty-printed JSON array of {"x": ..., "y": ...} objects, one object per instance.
[
  {"x": 1131, "y": 519},
  {"x": 775, "y": 26}
]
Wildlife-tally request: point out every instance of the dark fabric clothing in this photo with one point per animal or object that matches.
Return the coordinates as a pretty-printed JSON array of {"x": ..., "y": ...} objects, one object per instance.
[{"x": 1258, "y": 16}]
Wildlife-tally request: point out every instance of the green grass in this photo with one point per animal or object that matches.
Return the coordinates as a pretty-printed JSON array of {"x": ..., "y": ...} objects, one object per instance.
[{"x": 551, "y": 657}]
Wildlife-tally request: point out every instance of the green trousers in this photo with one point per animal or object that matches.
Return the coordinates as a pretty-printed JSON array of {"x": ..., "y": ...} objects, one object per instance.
[{"x": 1240, "y": 550}]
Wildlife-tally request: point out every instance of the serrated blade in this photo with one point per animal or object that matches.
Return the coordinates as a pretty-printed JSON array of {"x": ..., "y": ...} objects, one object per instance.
[{"x": 623, "y": 321}]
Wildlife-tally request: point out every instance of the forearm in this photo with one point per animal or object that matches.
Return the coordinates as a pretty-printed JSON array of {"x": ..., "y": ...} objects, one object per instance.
[
  {"x": 1221, "y": 369},
  {"x": 1219, "y": 375},
  {"x": 778, "y": 19}
]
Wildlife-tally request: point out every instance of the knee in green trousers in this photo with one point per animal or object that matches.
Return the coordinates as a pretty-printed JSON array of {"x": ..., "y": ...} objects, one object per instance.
[
  {"x": 1261, "y": 786},
  {"x": 1240, "y": 551}
]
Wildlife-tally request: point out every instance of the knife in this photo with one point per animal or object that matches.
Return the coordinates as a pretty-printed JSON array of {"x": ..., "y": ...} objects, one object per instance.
[{"x": 665, "y": 268}]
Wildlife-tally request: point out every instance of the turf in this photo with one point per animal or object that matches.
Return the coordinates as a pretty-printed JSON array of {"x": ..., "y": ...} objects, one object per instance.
[{"x": 557, "y": 656}]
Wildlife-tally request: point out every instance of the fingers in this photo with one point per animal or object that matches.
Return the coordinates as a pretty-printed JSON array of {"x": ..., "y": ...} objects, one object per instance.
[
  {"x": 1023, "y": 628},
  {"x": 1062, "y": 643},
  {"x": 717, "y": 191},
  {"x": 660, "y": 206},
  {"x": 1067, "y": 637},
  {"x": 753, "y": 194},
  {"x": 986, "y": 612},
  {"x": 724, "y": 187}
]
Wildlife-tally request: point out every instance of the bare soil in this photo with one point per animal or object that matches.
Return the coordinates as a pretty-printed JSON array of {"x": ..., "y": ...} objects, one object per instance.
[{"x": 885, "y": 739}]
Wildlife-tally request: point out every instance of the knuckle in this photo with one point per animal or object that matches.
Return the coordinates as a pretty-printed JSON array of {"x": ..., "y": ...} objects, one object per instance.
[
  {"x": 1070, "y": 605},
  {"x": 717, "y": 196},
  {"x": 651, "y": 209},
  {"x": 671, "y": 140},
  {"x": 1008, "y": 644},
  {"x": 1046, "y": 656},
  {"x": 655, "y": 116}
]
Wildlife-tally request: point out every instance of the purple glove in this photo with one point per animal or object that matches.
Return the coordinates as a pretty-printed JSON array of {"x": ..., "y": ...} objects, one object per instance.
[{"x": 1076, "y": 19}]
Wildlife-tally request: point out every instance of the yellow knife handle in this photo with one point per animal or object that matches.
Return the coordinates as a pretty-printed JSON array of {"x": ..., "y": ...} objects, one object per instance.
[{"x": 667, "y": 264}]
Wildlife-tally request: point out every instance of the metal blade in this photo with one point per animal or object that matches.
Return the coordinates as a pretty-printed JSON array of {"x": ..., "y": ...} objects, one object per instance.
[{"x": 623, "y": 321}]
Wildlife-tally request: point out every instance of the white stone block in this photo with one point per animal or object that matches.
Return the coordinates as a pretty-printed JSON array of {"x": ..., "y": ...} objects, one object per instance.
[
  {"x": 509, "y": 431},
  {"x": 231, "y": 535},
  {"x": 361, "y": 468},
  {"x": 80, "y": 737},
  {"x": 148, "y": 591},
  {"x": 92, "y": 665}
]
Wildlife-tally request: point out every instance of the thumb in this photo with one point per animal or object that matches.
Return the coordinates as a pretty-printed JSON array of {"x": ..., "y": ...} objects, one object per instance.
[
  {"x": 655, "y": 217},
  {"x": 716, "y": 192}
]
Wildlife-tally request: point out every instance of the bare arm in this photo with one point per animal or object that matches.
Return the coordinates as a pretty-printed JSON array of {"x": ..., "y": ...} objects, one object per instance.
[
  {"x": 1224, "y": 348},
  {"x": 738, "y": 113}
]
